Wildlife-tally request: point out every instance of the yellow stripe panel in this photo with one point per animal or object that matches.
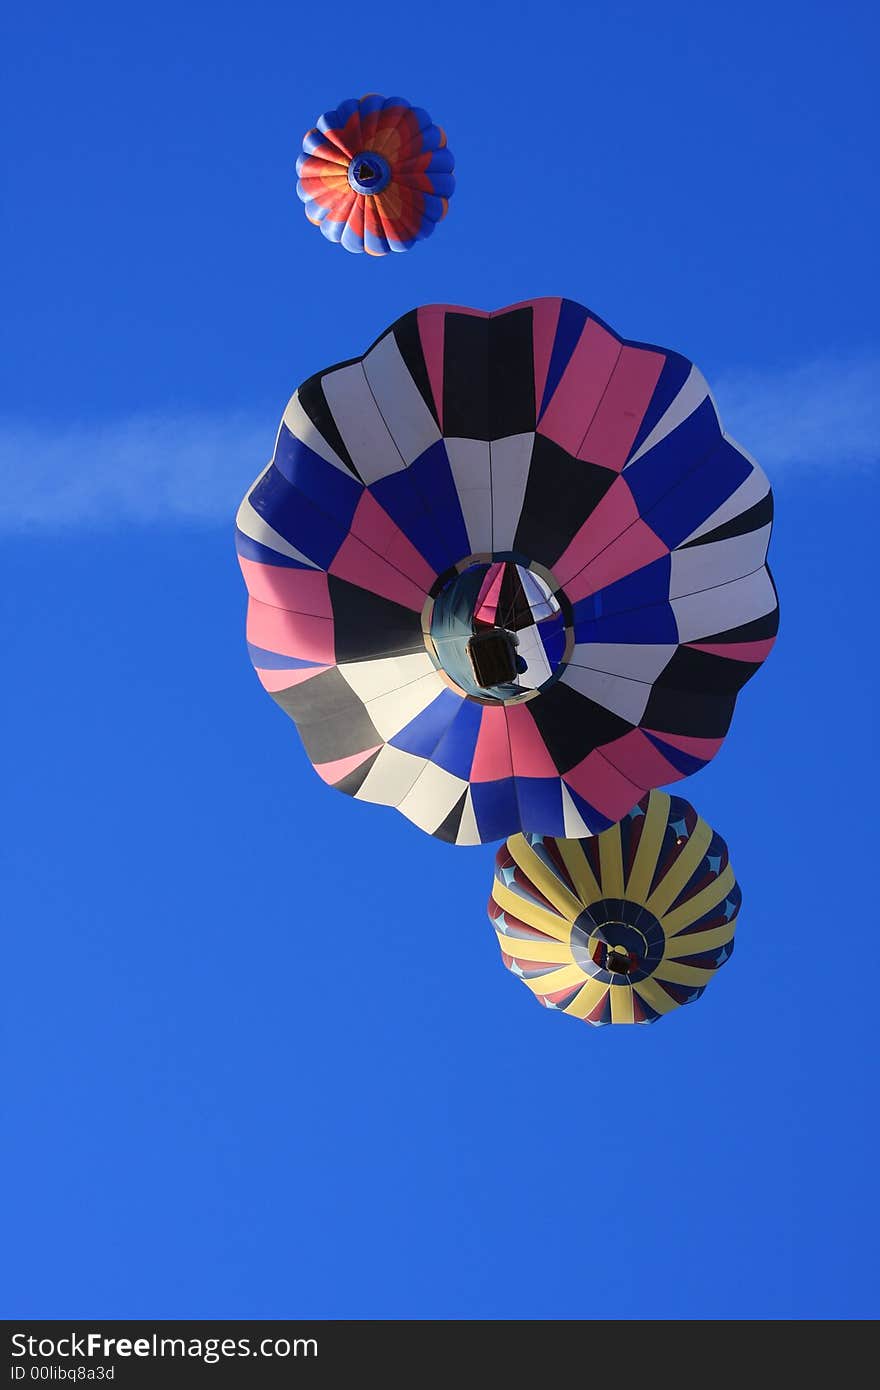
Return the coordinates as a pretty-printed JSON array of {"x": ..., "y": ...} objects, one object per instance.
[
  {"x": 655, "y": 996},
  {"x": 582, "y": 875},
  {"x": 699, "y": 941},
  {"x": 678, "y": 974},
  {"x": 543, "y": 878},
  {"x": 621, "y": 1004},
  {"x": 531, "y": 913},
  {"x": 611, "y": 863},
  {"x": 691, "y": 911},
  {"x": 565, "y": 978},
  {"x": 584, "y": 1003},
  {"x": 554, "y": 952},
  {"x": 645, "y": 862},
  {"x": 678, "y": 874}
]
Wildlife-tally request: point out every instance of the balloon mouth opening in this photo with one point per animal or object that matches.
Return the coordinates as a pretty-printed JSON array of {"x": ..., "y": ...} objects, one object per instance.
[
  {"x": 618, "y": 941},
  {"x": 369, "y": 173},
  {"x": 499, "y": 629}
]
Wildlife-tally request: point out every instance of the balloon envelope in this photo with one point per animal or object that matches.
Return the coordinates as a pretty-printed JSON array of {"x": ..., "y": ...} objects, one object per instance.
[
  {"x": 375, "y": 174},
  {"x": 623, "y": 927},
  {"x": 506, "y": 571}
]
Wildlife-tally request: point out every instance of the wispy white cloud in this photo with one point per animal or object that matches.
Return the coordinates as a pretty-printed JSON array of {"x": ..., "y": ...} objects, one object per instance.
[
  {"x": 149, "y": 469},
  {"x": 822, "y": 415},
  {"x": 194, "y": 469}
]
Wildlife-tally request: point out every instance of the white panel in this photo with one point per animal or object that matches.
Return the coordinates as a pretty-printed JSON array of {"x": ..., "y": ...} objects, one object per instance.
[
  {"x": 510, "y": 462},
  {"x": 469, "y": 460},
  {"x": 411, "y": 423},
  {"x": 390, "y": 777},
  {"x": 693, "y": 393},
  {"x": 370, "y": 679},
  {"x": 432, "y": 797},
  {"x": 728, "y": 605},
  {"x": 639, "y": 662},
  {"x": 622, "y": 696},
  {"x": 298, "y": 422},
  {"x": 360, "y": 423},
  {"x": 392, "y": 712},
  {"x": 753, "y": 490},
  {"x": 576, "y": 827},
  {"x": 252, "y": 524},
  {"x": 717, "y": 562},
  {"x": 531, "y": 649},
  {"x": 468, "y": 834}
]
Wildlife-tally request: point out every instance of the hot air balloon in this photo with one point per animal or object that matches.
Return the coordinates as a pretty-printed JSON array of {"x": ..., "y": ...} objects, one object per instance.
[
  {"x": 375, "y": 175},
  {"x": 506, "y": 571},
  {"x": 622, "y": 927}
]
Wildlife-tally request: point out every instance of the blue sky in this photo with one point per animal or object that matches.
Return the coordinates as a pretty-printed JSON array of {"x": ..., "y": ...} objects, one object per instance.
[{"x": 262, "y": 1059}]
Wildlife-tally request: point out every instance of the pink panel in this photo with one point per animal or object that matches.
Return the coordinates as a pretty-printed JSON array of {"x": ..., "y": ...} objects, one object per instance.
[
  {"x": 486, "y": 605},
  {"x": 545, "y": 321},
  {"x": 622, "y": 408},
  {"x": 613, "y": 514},
  {"x": 290, "y": 634},
  {"x": 528, "y": 750},
  {"x": 334, "y": 772},
  {"x": 632, "y": 550},
  {"x": 576, "y": 398},
  {"x": 704, "y": 748},
  {"x": 300, "y": 590},
  {"x": 432, "y": 331},
  {"x": 737, "y": 651},
  {"x": 637, "y": 758},
  {"x": 604, "y": 786},
  {"x": 492, "y": 753},
  {"x": 372, "y": 524},
  {"x": 274, "y": 681},
  {"x": 359, "y": 565}
]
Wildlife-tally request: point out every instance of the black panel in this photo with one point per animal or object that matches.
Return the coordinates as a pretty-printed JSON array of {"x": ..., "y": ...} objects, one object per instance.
[
  {"x": 450, "y": 826},
  {"x": 688, "y": 712},
  {"x": 561, "y": 493},
  {"x": 369, "y": 627},
  {"x": 406, "y": 333},
  {"x": 466, "y": 377},
  {"x": 703, "y": 672},
  {"x": 511, "y": 374},
  {"x": 314, "y": 403},
  {"x": 331, "y": 720},
  {"x": 571, "y": 725},
  {"x": 752, "y": 520}
]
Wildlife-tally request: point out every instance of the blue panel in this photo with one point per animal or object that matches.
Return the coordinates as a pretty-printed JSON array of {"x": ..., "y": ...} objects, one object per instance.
[
  {"x": 641, "y": 589},
  {"x": 455, "y": 751},
  {"x": 593, "y": 818},
  {"x": 572, "y": 318},
  {"x": 678, "y": 454},
  {"x": 293, "y": 516},
  {"x": 643, "y": 625},
  {"x": 675, "y": 373},
  {"x": 495, "y": 808},
  {"x": 253, "y": 550},
  {"x": 274, "y": 661},
  {"x": 685, "y": 763},
  {"x": 700, "y": 494},
  {"x": 423, "y": 733},
  {"x": 422, "y": 500},
  {"x": 553, "y": 643},
  {"x": 540, "y": 804},
  {"x": 335, "y": 492}
]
